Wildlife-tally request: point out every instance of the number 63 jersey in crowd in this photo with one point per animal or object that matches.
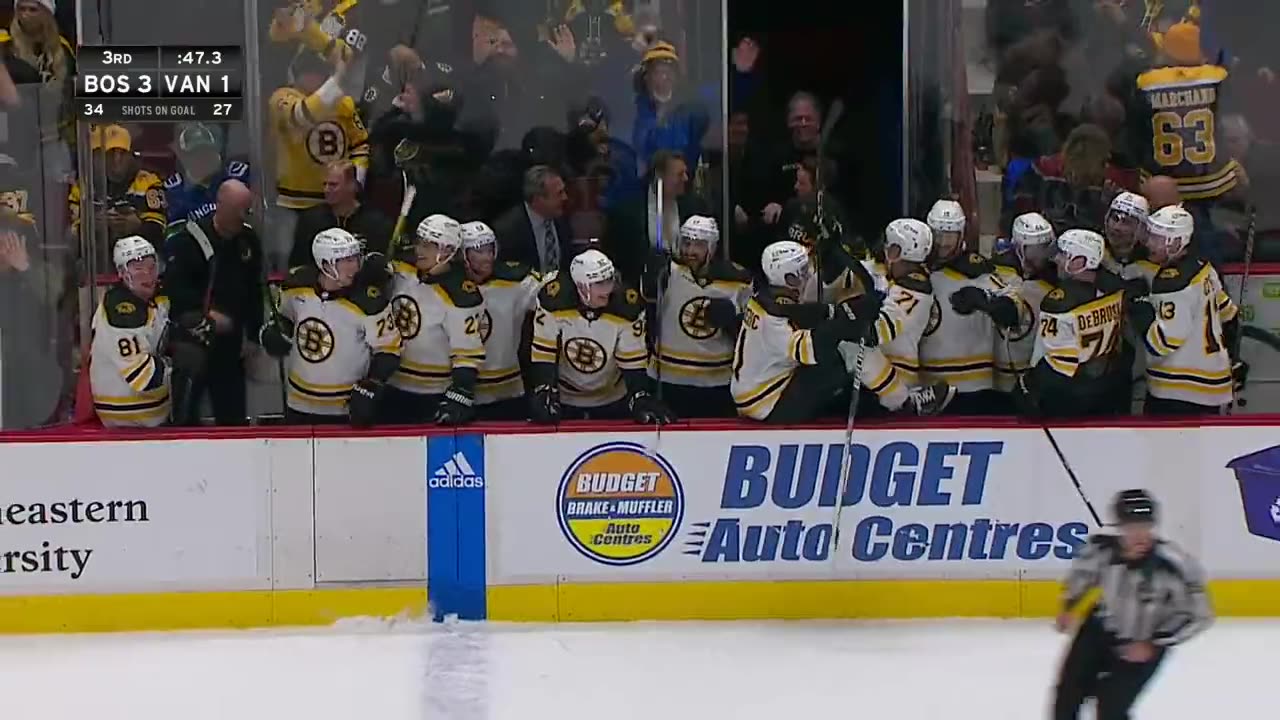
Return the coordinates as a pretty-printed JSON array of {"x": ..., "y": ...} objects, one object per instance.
[
  {"x": 593, "y": 347},
  {"x": 129, "y": 380},
  {"x": 335, "y": 335},
  {"x": 308, "y": 136},
  {"x": 1181, "y": 104},
  {"x": 693, "y": 351}
]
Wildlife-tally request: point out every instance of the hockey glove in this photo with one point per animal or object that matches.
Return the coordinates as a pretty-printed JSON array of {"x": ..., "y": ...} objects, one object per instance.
[
  {"x": 196, "y": 328},
  {"x": 544, "y": 405},
  {"x": 362, "y": 408},
  {"x": 1003, "y": 312},
  {"x": 1025, "y": 398},
  {"x": 1141, "y": 313},
  {"x": 374, "y": 271},
  {"x": 968, "y": 300},
  {"x": 723, "y": 315},
  {"x": 456, "y": 408},
  {"x": 276, "y": 336},
  {"x": 648, "y": 410}
]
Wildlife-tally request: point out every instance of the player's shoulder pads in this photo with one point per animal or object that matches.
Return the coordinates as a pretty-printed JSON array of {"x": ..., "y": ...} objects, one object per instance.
[
  {"x": 124, "y": 309},
  {"x": 1067, "y": 296},
  {"x": 302, "y": 276},
  {"x": 728, "y": 271},
  {"x": 1176, "y": 277},
  {"x": 558, "y": 295},
  {"x": 973, "y": 265},
  {"x": 917, "y": 281},
  {"x": 461, "y": 292},
  {"x": 512, "y": 270},
  {"x": 625, "y": 302}
]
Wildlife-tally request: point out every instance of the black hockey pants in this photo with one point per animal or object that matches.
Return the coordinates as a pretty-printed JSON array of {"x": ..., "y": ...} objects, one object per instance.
[{"x": 1094, "y": 668}]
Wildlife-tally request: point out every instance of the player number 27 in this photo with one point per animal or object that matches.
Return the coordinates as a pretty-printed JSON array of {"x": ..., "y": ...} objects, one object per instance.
[{"x": 1171, "y": 147}]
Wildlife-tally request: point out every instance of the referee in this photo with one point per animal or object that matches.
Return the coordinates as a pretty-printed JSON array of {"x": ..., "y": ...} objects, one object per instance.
[{"x": 1152, "y": 597}]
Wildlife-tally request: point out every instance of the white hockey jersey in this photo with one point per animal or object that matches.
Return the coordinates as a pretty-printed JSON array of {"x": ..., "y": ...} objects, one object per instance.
[
  {"x": 958, "y": 348},
  {"x": 904, "y": 320},
  {"x": 441, "y": 319},
  {"x": 694, "y": 352},
  {"x": 509, "y": 296},
  {"x": 1078, "y": 324},
  {"x": 1015, "y": 347},
  {"x": 768, "y": 351},
  {"x": 592, "y": 348},
  {"x": 1187, "y": 358},
  {"x": 335, "y": 335},
  {"x": 127, "y": 372}
]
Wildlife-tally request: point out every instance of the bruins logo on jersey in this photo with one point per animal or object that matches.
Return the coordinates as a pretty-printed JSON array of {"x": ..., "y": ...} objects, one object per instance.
[
  {"x": 633, "y": 296},
  {"x": 693, "y": 319},
  {"x": 326, "y": 142},
  {"x": 126, "y": 308},
  {"x": 585, "y": 355},
  {"x": 485, "y": 325},
  {"x": 408, "y": 316},
  {"x": 935, "y": 318},
  {"x": 314, "y": 340}
]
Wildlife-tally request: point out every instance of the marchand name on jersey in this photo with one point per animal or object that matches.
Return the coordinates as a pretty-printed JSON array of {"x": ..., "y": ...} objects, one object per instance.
[
  {"x": 1105, "y": 315},
  {"x": 1195, "y": 97}
]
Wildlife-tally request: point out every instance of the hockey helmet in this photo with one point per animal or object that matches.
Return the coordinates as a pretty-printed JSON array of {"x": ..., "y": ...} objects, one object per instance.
[
  {"x": 786, "y": 264},
  {"x": 1031, "y": 229},
  {"x": 912, "y": 238},
  {"x": 1134, "y": 506},
  {"x": 703, "y": 229},
  {"x": 593, "y": 274},
  {"x": 329, "y": 247},
  {"x": 135, "y": 249},
  {"x": 478, "y": 238},
  {"x": 1131, "y": 205},
  {"x": 1169, "y": 229},
  {"x": 442, "y": 231},
  {"x": 946, "y": 216},
  {"x": 1085, "y": 244}
]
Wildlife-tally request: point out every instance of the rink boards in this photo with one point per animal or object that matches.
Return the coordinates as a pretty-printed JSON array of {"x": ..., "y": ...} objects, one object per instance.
[{"x": 723, "y": 523}]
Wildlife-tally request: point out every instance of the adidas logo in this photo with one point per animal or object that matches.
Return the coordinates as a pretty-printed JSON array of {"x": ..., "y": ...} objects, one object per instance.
[{"x": 455, "y": 473}]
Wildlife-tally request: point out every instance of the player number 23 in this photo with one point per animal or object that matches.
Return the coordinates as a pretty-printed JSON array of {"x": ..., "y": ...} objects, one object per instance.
[{"x": 1171, "y": 146}]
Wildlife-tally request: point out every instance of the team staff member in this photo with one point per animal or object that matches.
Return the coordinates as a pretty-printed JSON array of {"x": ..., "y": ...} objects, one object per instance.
[
  {"x": 1152, "y": 597},
  {"x": 214, "y": 280},
  {"x": 341, "y": 209}
]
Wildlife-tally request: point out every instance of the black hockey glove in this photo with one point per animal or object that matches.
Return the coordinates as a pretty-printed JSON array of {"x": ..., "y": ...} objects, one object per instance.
[
  {"x": 1026, "y": 400},
  {"x": 1239, "y": 375},
  {"x": 456, "y": 408},
  {"x": 1003, "y": 312},
  {"x": 374, "y": 271},
  {"x": 544, "y": 405},
  {"x": 968, "y": 300},
  {"x": 648, "y": 410},
  {"x": 723, "y": 315},
  {"x": 362, "y": 408},
  {"x": 276, "y": 336},
  {"x": 194, "y": 327},
  {"x": 1141, "y": 313}
]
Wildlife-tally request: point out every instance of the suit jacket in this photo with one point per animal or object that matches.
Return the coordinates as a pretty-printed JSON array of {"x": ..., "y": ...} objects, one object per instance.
[
  {"x": 626, "y": 238},
  {"x": 517, "y": 242}
]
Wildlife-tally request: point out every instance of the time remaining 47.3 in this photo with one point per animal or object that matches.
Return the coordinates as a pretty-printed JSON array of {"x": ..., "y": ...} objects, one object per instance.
[{"x": 200, "y": 57}]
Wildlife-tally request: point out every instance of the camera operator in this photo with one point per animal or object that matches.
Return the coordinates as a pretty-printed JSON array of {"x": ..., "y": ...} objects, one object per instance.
[{"x": 214, "y": 280}]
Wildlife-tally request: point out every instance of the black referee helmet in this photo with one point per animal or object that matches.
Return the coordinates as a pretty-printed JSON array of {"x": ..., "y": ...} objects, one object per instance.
[{"x": 1134, "y": 506}]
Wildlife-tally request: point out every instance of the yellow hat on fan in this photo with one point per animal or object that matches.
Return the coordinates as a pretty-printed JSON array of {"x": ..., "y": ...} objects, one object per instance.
[
  {"x": 660, "y": 52},
  {"x": 110, "y": 137},
  {"x": 1181, "y": 43}
]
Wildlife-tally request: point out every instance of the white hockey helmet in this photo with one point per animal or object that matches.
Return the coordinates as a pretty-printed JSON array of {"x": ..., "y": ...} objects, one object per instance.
[
  {"x": 1031, "y": 229},
  {"x": 784, "y": 259},
  {"x": 946, "y": 216},
  {"x": 913, "y": 239},
  {"x": 701, "y": 228},
  {"x": 129, "y": 249},
  {"x": 477, "y": 235},
  {"x": 330, "y": 246},
  {"x": 1131, "y": 205},
  {"x": 442, "y": 230},
  {"x": 1173, "y": 226},
  {"x": 590, "y": 267},
  {"x": 1085, "y": 244}
]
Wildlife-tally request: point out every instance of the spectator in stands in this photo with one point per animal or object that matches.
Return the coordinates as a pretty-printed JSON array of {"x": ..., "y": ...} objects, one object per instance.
[
  {"x": 342, "y": 208},
  {"x": 631, "y": 233},
  {"x": 773, "y": 170},
  {"x": 1071, "y": 188},
  {"x": 133, "y": 200},
  {"x": 30, "y": 380},
  {"x": 665, "y": 118},
  {"x": 535, "y": 232},
  {"x": 191, "y": 193},
  {"x": 214, "y": 278},
  {"x": 42, "y": 62}
]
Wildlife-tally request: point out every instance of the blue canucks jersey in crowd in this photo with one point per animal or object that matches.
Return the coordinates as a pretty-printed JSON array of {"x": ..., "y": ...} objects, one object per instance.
[{"x": 193, "y": 201}]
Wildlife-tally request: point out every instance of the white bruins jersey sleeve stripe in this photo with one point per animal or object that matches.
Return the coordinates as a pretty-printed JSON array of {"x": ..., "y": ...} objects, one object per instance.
[{"x": 1187, "y": 357}]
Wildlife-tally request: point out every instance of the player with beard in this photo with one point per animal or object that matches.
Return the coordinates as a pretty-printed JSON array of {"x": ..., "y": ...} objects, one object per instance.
[
  {"x": 972, "y": 301},
  {"x": 1028, "y": 266},
  {"x": 1078, "y": 344},
  {"x": 702, "y": 301},
  {"x": 1126, "y": 258},
  {"x": 510, "y": 290},
  {"x": 441, "y": 315},
  {"x": 589, "y": 342}
]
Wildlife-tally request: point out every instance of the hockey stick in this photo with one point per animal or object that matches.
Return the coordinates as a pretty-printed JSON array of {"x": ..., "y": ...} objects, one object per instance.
[
  {"x": 1053, "y": 442},
  {"x": 846, "y": 460},
  {"x": 1238, "y": 401},
  {"x": 820, "y": 184},
  {"x": 410, "y": 193},
  {"x": 657, "y": 311}
]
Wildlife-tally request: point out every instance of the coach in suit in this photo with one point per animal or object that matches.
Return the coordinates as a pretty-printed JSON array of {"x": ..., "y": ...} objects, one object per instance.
[{"x": 535, "y": 232}]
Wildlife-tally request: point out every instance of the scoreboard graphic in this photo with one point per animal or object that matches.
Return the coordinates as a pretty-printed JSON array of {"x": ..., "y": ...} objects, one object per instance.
[{"x": 160, "y": 83}]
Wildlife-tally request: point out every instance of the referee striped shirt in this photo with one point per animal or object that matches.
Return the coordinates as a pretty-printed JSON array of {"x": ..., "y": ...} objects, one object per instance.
[{"x": 1160, "y": 598}]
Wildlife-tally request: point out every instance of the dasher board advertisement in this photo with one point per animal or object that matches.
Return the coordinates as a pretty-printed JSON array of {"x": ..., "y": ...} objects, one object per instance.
[
  {"x": 134, "y": 516},
  {"x": 965, "y": 503}
]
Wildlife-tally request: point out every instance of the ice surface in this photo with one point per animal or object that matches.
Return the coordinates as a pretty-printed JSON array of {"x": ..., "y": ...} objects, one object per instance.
[{"x": 708, "y": 671}]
